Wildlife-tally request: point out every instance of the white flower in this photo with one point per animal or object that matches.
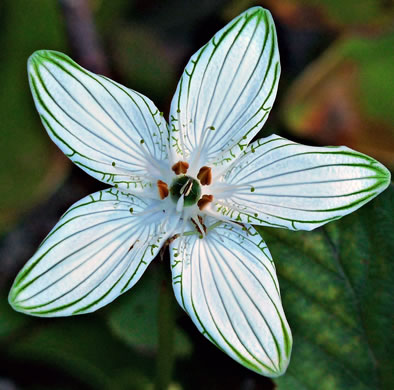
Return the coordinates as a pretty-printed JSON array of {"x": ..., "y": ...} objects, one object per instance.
[{"x": 198, "y": 183}]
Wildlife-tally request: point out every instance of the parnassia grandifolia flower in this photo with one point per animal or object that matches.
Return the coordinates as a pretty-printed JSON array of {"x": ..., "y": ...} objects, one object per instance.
[{"x": 197, "y": 184}]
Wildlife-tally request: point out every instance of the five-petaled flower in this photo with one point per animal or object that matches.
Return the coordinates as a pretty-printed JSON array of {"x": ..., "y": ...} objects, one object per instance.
[{"x": 199, "y": 184}]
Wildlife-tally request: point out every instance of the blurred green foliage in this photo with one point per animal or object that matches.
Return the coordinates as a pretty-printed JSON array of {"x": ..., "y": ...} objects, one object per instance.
[
  {"x": 30, "y": 164},
  {"x": 341, "y": 14},
  {"x": 137, "y": 50},
  {"x": 11, "y": 321},
  {"x": 134, "y": 317},
  {"x": 84, "y": 349},
  {"x": 352, "y": 12},
  {"x": 375, "y": 59},
  {"x": 345, "y": 96}
]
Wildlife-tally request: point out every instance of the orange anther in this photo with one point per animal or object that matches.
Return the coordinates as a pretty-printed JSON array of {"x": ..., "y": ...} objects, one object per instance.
[
  {"x": 205, "y": 176},
  {"x": 180, "y": 167},
  {"x": 204, "y": 201},
  {"x": 163, "y": 189}
]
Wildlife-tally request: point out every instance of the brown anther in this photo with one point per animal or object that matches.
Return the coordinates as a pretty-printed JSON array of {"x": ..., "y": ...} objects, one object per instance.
[
  {"x": 202, "y": 223},
  {"x": 198, "y": 227},
  {"x": 204, "y": 201},
  {"x": 163, "y": 189},
  {"x": 205, "y": 176},
  {"x": 180, "y": 167}
]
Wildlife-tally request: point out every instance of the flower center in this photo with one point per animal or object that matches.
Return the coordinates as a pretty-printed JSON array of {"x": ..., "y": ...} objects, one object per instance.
[{"x": 188, "y": 187}]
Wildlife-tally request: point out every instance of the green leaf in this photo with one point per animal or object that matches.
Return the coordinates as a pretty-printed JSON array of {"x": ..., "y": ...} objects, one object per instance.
[
  {"x": 10, "y": 321},
  {"x": 84, "y": 349},
  {"x": 31, "y": 166},
  {"x": 133, "y": 317},
  {"x": 336, "y": 287}
]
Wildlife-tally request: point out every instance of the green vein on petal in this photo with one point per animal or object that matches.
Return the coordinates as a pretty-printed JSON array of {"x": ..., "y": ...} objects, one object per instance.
[
  {"x": 280, "y": 183},
  {"x": 231, "y": 269},
  {"x": 97, "y": 251}
]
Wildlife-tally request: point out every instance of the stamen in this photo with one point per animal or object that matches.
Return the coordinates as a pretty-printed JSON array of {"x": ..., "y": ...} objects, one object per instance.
[
  {"x": 201, "y": 228},
  {"x": 221, "y": 218},
  {"x": 182, "y": 238},
  {"x": 179, "y": 204},
  {"x": 205, "y": 176},
  {"x": 199, "y": 217},
  {"x": 163, "y": 189},
  {"x": 215, "y": 225},
  {"x": 204, "y": 201},
  {"x": 180, "y": 167},
  {"x": 167, "y": 244}
]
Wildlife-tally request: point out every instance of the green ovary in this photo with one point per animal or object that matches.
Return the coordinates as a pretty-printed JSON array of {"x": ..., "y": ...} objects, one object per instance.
[{"x": 187, "y": 186}]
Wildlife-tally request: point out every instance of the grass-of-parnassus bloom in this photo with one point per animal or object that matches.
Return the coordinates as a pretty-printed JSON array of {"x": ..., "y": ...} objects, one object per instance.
[{"x": 198, "y": 184}]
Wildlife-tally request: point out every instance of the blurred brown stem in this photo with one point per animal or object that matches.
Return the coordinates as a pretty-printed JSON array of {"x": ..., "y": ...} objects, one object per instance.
[{"x": 82, "y": 36}]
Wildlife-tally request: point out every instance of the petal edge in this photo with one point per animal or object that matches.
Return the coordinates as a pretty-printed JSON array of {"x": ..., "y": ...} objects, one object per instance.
[
  {"x": 98, "y": 250},
  {"x": 226, "y": 282},
  {"x": 280, "y": 183}
]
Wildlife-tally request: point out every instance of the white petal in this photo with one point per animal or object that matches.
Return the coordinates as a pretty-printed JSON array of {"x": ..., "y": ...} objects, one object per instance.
[
  {"x": 113, "y": 133},
  {"x": 226, "y": 91},
  {"x": 99, "y": 249},
  {"x": 280, "y": 183},
  {"x": 227, "y": 284}
]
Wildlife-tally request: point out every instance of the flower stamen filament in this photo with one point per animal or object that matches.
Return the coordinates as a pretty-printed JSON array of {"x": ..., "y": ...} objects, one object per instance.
[{"x": 201, "y": 228}]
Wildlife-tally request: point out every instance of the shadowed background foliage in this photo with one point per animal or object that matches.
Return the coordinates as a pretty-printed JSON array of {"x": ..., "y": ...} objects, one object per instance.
[{"x": 336, "y": 88}]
